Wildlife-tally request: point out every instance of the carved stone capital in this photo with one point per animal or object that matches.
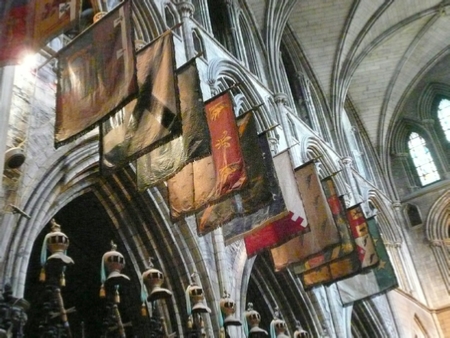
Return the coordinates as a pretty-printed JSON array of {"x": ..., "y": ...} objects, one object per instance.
[
  {"x": 428, "y": 122},
  {"x": 186, "y": 8},
  {"x": 400, "y": 155},
  {"x": 396, "y": 205},
  {"x": 280, "y": 98},
  {"x": 347, "y": 161}
]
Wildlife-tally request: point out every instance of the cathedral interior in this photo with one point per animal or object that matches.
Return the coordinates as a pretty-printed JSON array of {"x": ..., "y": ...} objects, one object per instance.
[{"x": 361, "y": 88}]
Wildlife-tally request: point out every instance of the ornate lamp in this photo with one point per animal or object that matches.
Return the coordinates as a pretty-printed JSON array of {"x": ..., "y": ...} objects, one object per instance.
[{"x": 253, "y": 319}]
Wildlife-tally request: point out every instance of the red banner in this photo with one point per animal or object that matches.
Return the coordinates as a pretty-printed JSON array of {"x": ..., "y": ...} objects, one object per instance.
[
  {"x": 210, "y": 179},
  {"x": 225, "y": 145},
  {"x": 275, "y": 234},
  {"x": 26, "y": 25}
]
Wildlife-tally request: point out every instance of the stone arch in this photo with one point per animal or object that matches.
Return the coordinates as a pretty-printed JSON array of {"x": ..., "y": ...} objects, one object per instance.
[
  {"x": 249, "y": 48},
  {"x": 218, "y": 68},
  {"x": 147, "y": 20},
  {"x": 437, "y": 228},
  {"x": 283, "y": 290},
  {"x": 138, "y": 218},
  {"x": 428, "y": 97}
]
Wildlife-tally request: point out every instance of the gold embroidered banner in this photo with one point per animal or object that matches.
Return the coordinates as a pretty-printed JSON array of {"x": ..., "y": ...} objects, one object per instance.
[
  {"x": 254, "y": 196},
  {"x": 153, "y": 118},
  {"x": 225, "y": 145},
  {"x": 194, "y": 143},
  {"x": 52, "y": 17},
  {"x": 26, "y": 25},
  {"x": 323, "y": 231},
  {"x": 96, "y": 75},
  {"x": 212, "y": 178}
]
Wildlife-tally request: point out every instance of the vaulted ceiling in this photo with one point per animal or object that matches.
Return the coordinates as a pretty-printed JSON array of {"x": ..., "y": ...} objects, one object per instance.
[{"x": 373, "y": 51}]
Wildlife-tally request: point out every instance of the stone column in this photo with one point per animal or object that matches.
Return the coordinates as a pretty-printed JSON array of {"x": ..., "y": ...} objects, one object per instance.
[
  {"x": 348, "y": 172},
  {"x": 186, "y": 9},
  {"x": 6, "y": 86},
  {"x": 280, "y": 102}
]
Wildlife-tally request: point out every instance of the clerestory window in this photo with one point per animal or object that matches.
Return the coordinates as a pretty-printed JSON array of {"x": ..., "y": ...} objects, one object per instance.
[
  {"x": 423, "y": 161},
  {"x": 443, "y": 113}
]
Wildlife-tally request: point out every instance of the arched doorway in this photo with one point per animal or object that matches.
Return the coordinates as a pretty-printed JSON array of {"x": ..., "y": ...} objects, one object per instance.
[{"x": 90, "y": 231}]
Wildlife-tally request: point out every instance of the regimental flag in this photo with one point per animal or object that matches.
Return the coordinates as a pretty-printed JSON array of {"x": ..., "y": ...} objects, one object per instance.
[
  {"x": 336, "y": 205},
  {"x": 26, "y": 25},
  {"x": 96, "y": 74},
  {"x": 276, "y": 233},
  {"x": 360, "y": 230},
  {"x": 256, "y": 193},
  {"x": 363, "y": 255},
  {"x": 212, "y": 178},
  {"x": 194, "y": 143},
  {"x": 343, "y": 267},
  {"x": 323, "y": 231},
  {"x": 264, "y": 216},
  {"x": 153, "y": 118},
  {"x": 370, "y": 282},
  {"x": 287, "y": 215}
]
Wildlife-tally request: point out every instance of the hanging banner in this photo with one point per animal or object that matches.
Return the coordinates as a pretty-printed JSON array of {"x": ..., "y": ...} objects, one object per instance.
[
  {"x": 26, "y": 25},
  {"x": 96, "y": 75},
  {"x": 360, "y": 230},
  {"x": 372, "y": 281},
  {"x": 214, "y": 177},
  {"x": 323, "y": 231},
  {"x": 225, "y": 145},
  {"x": 151, "y": 119},
  {"x": 256, "y": 193},
  {"x": 336, "y": 205},
  {"x": 194, "y": 142}
]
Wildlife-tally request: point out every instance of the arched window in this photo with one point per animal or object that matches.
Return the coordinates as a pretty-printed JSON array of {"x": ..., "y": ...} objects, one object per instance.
[
  {"x": 221, "y": 24},
  {"x": 443, "y": 114},
  {"x": 249, "y": 46},
  {"x": 422, "y": 159},
  {"x": 198, "y": 43},
  {"x": 171, "y": 19}
]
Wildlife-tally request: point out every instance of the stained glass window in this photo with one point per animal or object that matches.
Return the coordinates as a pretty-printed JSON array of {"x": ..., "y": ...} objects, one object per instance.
[
  {"x": 444, "y": 117},
  {"x": 421, "y": 156}
]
